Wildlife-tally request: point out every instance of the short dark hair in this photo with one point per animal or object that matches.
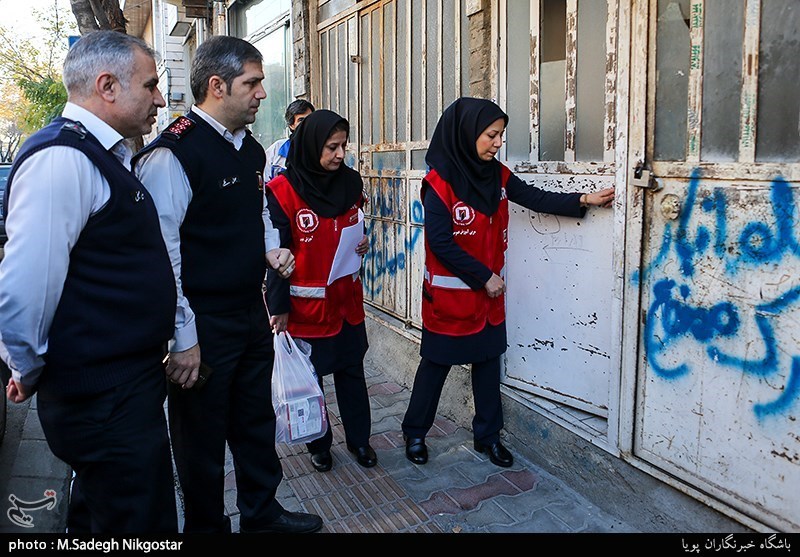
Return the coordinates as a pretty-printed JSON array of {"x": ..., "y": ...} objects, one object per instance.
[
  {"x": 297, "y": 107},
  {"x": 222, "y": 56}
]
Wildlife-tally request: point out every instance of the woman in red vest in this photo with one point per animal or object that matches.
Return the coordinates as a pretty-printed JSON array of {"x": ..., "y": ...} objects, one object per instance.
[
  {"x": 310, "y": 203},
  {"x": 465, "y": 195}
]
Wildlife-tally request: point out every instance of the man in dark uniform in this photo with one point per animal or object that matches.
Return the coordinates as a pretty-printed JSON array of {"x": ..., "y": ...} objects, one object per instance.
[
  {"x": 87, "y": 293},
  {"x": 205, "y": 173}
]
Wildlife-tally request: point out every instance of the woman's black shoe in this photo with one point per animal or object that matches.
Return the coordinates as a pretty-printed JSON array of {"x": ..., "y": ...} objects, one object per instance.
[
  {"x": 498, "y": 454},
  {"x": 416, "y": 451},
  {"x": 322, "y": 461}
]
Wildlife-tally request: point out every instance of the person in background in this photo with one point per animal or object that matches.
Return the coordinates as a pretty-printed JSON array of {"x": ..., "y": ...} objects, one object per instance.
[
  {"x": 465, "y": 195},
  {"x": 310, "y": 204},
  {"x": 296, "y": 112},
  {"x": 205, "y": 173},
  {"x": 87, "y": 294}
]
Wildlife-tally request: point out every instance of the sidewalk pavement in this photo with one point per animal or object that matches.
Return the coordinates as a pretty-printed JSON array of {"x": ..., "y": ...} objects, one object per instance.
[{"x": 457, "y": 491}]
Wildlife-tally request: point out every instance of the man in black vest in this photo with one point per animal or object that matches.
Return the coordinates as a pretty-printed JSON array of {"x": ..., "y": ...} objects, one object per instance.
[
  {"x": 205, "y": 173},
  {"x": 87, "y": 293}
]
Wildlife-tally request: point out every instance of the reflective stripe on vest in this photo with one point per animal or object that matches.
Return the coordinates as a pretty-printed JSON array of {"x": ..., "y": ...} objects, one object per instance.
[
  {"x": 307, "y": 291},
  {"x": 455, "y": 283},
  {"x": 443, "y": 281}
]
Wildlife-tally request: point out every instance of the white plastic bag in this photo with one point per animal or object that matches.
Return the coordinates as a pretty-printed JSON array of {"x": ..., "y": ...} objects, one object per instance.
[{"x": 296, "y": 396}]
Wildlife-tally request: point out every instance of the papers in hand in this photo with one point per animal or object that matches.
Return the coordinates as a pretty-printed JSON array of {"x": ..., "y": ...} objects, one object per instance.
[{"x": 347, "y": 261}]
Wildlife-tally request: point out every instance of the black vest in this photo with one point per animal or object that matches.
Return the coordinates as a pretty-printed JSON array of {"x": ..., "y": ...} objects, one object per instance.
[
  {"x": 222, "y": 236},
  {"x": 117, "y": 310}
]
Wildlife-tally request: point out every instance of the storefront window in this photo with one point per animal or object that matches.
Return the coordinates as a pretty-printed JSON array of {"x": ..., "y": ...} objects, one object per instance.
[
  {"x": 250, "y": 17},
  {"x": 270, "y": 125},
  {"x": 265, "y": 23}
]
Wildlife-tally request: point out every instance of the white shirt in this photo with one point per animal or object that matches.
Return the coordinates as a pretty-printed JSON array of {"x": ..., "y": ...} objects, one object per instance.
[
  {"x": 55, "y": 191},
  {"x": 164, "y": 177}
]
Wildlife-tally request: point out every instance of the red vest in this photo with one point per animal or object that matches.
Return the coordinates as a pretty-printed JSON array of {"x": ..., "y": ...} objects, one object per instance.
[
  {"x": 317, "y": 309},
  {"x": 449, "y": 306}
]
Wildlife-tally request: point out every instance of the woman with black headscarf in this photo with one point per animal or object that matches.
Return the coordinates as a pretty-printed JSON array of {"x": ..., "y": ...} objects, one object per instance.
[
  {"x": 465, "y": 195},
  {"x": 310, "y": 203}
]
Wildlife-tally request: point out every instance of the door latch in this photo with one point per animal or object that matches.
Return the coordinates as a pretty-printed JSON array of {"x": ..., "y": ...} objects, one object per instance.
[{"x": 643, "y": 178}]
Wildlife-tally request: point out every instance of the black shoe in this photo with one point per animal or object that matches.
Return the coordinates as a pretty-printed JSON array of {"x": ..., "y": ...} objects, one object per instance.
[
  {"x": 365, "y": 456},
  {"x": 498, "y": 454},
  {"x": 416, "y": 451},
  {"x": 322, "y": 461},
  {"x": 289, "y": 523}
]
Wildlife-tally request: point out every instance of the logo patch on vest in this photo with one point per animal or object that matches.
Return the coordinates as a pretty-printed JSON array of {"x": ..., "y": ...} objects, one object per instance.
[
  {"x": 227, "y": 182},
  {"x": 137, "y": 196},
  {"x": 307, "y": 220},
  {"x": 463, "y": 214},
  {"x": 260, "y": 178}
]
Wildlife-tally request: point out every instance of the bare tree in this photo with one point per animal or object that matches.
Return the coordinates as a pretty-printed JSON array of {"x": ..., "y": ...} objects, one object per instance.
[
  {"x": 92, "y": 15},
  {"x": 10, "y": 137}
]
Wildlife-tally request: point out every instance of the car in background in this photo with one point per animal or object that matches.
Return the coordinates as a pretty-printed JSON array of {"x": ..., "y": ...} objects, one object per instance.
[{"x": 5, "y": 170}]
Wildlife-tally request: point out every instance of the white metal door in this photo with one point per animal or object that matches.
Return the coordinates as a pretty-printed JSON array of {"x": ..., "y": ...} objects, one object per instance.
[
  {"x": 718, "y": 386},
  {"x": 558, "y": 71}
]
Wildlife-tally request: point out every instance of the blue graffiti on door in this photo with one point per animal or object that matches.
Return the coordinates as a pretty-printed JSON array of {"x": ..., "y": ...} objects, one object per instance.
[
  {"x": 379, "y": 261},
  {"x": 672, "y": 317}
]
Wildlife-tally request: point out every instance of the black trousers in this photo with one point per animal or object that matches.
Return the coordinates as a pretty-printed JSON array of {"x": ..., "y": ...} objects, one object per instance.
[
  {"x": 234, "y": 406},
  {"x": 116, "y": 443},
  {"x": 427, "y": 390},
  {"x": 353, "y": 401}
]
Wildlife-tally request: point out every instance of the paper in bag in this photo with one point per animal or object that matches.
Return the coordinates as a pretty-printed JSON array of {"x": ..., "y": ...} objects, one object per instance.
[{"x": 296, "y": 395}]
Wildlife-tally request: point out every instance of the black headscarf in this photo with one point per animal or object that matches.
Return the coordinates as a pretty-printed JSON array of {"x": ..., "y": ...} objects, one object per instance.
[
  {"x": 329, "y": 194},
  {"x": 452, "y": 153}
]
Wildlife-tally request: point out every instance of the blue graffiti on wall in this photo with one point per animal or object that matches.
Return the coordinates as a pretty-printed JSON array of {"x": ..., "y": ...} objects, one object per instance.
[
  {"x": 378, "y": 263},
  {"x": 671, "y": 317}
]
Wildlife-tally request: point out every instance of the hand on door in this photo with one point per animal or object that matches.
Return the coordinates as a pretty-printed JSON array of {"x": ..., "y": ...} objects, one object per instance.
[{"x": 602, "y": 198}]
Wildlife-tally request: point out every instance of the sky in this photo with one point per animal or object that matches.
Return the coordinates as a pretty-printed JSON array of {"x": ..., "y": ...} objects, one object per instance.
[{"x": 18, "y": 15}]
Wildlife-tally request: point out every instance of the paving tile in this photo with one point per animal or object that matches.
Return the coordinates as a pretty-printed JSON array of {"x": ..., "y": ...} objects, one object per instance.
[
  {"x": 524, "y": 480},
  {"x": 32, "y": 429},
  {"x": 394, "y": 520},
  {"x": 444, "y": 427},
  {"x": 445, "y": 481},
  {"x": 229, "y": 500},
  {"x": 384, "y": 388},
  {"x": 488, "y": 515},
  {"x": 523, "y": 505},
  {"x": 470, "y": 497},
  {"x": 410, "y": 513},
  {"x": 541, "y": 521},
  {"x": 381, "y": 442},
  {"x": 39, "y": 462},
  {"x": 235, "y": 523},
  {"x": 386, "y": 423},
  {"x": 326, "y": 509},
  {"x": 380, "y": 521},
  {"x": 350, "y": 524},
  {"x": 365, "y": 523},
  {"x": 229, "y": 481},
  {"x": 440, "y": 503}
]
